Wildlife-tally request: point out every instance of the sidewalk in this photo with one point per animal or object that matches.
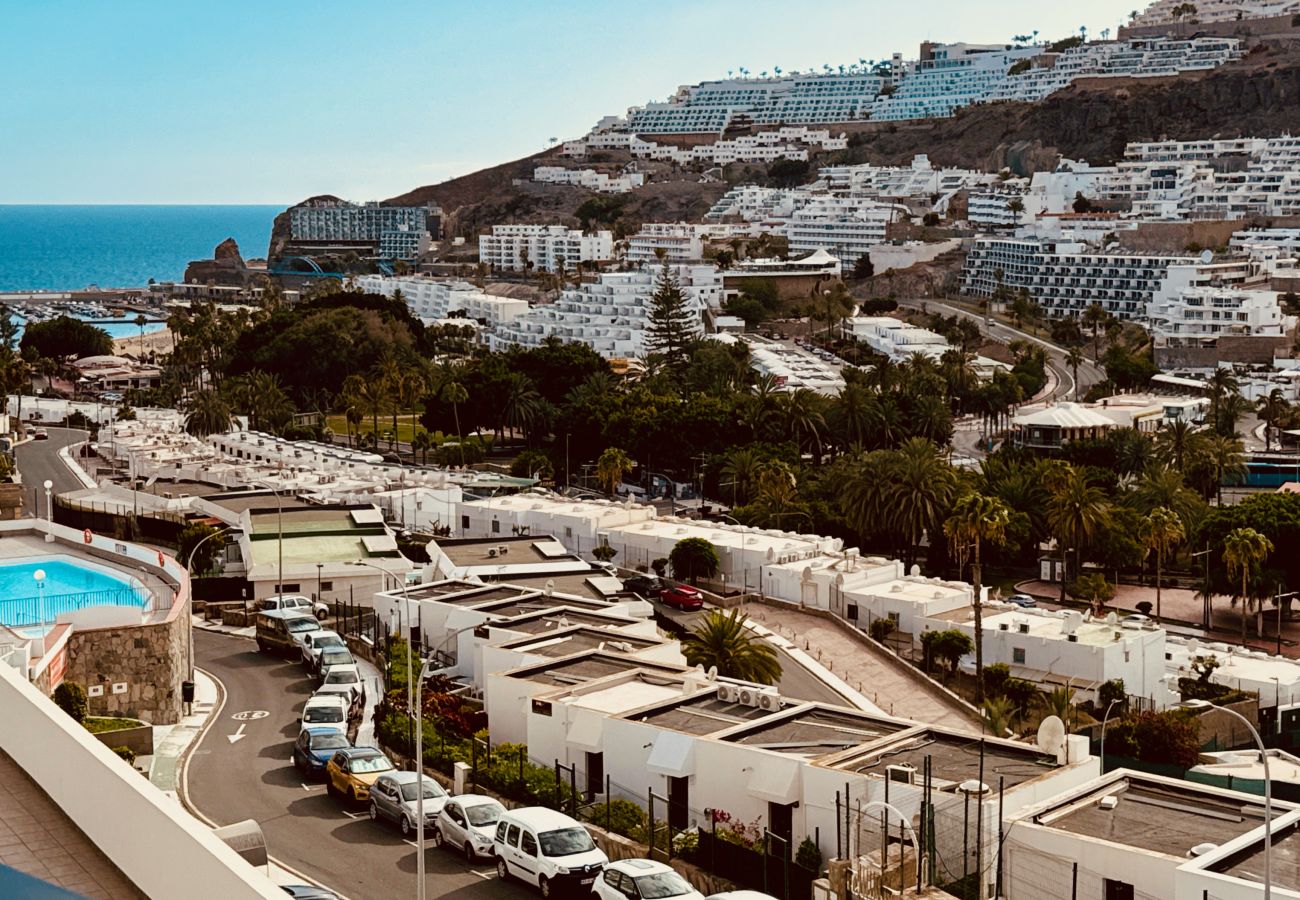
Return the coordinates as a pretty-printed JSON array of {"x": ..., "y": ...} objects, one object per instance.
[
  {"x": 170, "y": 742},
  {"x": 885, "y": 682}
]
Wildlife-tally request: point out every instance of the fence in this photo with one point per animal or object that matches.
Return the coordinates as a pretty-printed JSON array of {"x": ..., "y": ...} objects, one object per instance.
[
  {"x": 102, "y": 518},
  {"x": 43, "y": 609}
]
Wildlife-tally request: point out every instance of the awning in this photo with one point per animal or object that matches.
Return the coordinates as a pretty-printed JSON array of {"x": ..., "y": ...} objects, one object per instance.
[
  {"x": 673, "y": 754},
  {"x": 776, "y": 780},
  {"x": 585, "y": 731}
]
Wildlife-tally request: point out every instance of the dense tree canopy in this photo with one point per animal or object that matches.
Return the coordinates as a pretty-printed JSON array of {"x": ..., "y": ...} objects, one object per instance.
[{"x": 65, "y": 338}]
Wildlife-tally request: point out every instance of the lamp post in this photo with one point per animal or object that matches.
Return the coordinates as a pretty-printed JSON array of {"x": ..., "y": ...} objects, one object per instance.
[
  {"x": 279, "y": 537},
  {"x": 189, "y": 561},
  {"x": 411, "y": 678},
  {"x": 49, "y": 509},
  {"x": 39, "y": 575},
  {"x": 319, "y": 566},
  {"x": 1104, "y": 719},
  {"x": 1202, "y": 705}
]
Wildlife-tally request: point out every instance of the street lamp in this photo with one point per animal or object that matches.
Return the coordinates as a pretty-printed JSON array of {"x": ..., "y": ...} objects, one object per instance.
[
  {"x": 319, "y": 566},
  {"x": 1104, "y": 718},
  {"x": 39, "y": 575},
  {"x": 189, "y": 561},
  {"x": 411, "y": 678},
  {"x": 279, "y": 537},
  {"x": 1202, "y": 705},
  {"x": 49, "y": 510}
]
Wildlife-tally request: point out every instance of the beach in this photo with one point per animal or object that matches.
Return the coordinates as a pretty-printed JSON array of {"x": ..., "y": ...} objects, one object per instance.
[{"x": 158, "y": 342}]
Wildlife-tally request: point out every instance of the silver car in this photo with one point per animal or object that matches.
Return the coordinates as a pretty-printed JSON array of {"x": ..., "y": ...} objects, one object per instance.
[
  {"x": 314, "y": 642},
  {"x": 394, "y": 797},
  {"x": 466, "y": 825}
]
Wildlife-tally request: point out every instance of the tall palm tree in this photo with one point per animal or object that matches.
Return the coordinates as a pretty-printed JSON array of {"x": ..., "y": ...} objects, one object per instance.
[
  {"x": 611, "y": 466},
  {"x": 1162, "y": 486},
  {"x": 919, "y": 489},
  {"x": 454, "y": 392},
  {"x": 1074, "y": 358},
  {"x": 740, "y": 473},
  {"x": 977, "y": 518},
  {"x": 762, "y": 405},
  {"x": 1162, "y": 532},
  {"x": 1272, "y": 409},
  {"x": 208, "y": 414},
  {"x": 720, "y": 639},
  {"x": 391, "y": 378},
  {"x": 852, "y": 414},
  {"x": 1176, "y": 443},
  {"x": 365, "y": 393},
  {"x": 1222, "y": 382},
  {"x": 1222, "y": 459},
  {"x": 1076, "y": 512},
  {"x": 522, "y": 408},
  {"x": 805, "y": 422},
  {"x": 1244, "y": 550},
  {"x": 1094, "y": 317}
]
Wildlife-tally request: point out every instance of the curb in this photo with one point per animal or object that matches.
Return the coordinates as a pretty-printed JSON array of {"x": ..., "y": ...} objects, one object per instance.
[{"x": 65, "y": 454}]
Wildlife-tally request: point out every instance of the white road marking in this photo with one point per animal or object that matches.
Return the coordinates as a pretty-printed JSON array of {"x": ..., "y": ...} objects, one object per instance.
[
  {"x": 306, "y": 787},
  {"x": 486, "y": 876},
  {"x": 250, "y": 714},
  {"x": 350, "y": 815},
  {"x": 238, "y": 735}
]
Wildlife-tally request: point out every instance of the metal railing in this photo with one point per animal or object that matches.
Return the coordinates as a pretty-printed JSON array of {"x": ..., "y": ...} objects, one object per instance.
[{"x": 38, "y": 609}]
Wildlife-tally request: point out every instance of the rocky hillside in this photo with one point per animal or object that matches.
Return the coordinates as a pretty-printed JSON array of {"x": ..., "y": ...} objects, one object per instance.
[{"x": 1093, "y": 120}]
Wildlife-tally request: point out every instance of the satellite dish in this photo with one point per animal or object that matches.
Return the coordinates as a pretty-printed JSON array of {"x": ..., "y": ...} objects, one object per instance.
[
  {"x": 550, "y": 587},
  {"x": 973, "y": 787},
  {"x": 1051, "y": 735},
  {"x": 1111, "y": 618},
  {"x": 1207, "y": 256},
  {"x": 713, "y": 673}
]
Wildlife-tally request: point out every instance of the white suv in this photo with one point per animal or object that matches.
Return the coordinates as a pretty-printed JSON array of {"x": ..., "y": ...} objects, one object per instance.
[
  {"x": 642, "y": 878},
  {"x": 296, "y": 601},
  {"x": 548, "y": 849},
  {"x": 467, "y": 823}
]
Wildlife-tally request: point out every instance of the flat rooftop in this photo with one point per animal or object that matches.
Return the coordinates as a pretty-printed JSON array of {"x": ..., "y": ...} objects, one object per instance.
[
  {"x": 580, "y": 669},
  {"x": 522, "y": 603},
  {"x": 539, "y": 623},
  {"x": 1157, "y": 817},
  {"x": 519, "y": 551},
  {"x": 39, "y": 839},
  {"x": 576, "y": 640},
  {"x": 442, "y": 591},
  {"x": 1048, "y": 626},
  {"x": 573, "y": 584},
  {"x": 816, "y": 732},
  {"x": 953, "y": 759},
  {"x": 701, "y": 715},
  {"x": 1248, "y": 863},
  {"x": 239, "y": 502}
]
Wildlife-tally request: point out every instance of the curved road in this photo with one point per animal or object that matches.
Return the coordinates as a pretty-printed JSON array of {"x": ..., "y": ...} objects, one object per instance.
[
  {"x": 38, "y": 461},
  {"x": 252, "y": 777}
]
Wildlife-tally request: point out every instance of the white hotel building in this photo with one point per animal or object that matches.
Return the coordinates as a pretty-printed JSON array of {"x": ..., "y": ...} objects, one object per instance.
[
  {"x": 845, "y": 227},
  {"x": 1065, "y": 277},
  {"x": 896, "y": 339},
  {"x": 948, "y": 77},
  {"x": 544, "y": 246},
  {"x": 680, "y": 242},
  {"x": 610, "y": 314},
  {"x": 434, "y": 300},
  {"x": 1197, "y": 304},
  {"x": 601, "y": 182}
]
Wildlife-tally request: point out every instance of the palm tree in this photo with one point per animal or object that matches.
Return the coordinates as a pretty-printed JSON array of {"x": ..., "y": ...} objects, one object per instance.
[
  {"x": 140, "y": 322},
  {"x": 1076, "y": 512},
  {"x": 720, "y": 639},
  {"x": 977, "y": 518},
  {"x": 523, "y": 404},
  {"x": 422, "y": 442},
  {"x": 804, "y": 420},
  {"x": 1222, "y": 382},
  {"x": 919, "y": 489},
  {"x": 1073, "y": 358},
  {"x": 740, "y": 473},
  {"x": 391, "y": 377},
  {"x": 1222, "y": 459},
  {"x": 611, "y": 466},
  {"x": 1094, "y": 317},
  {"x": 208, "y": 414},
  {"x": 1176, "y": 443},
  {"x": 1244, "y": 550},
  {"x": 852, "y": 414},
  {"x": 365, "y": 394},
  {"x": 454, "y": 392},
  {"x": 998, "y": 713},
  {"x": 353, "y": 416},
  {"x": 1162, "y": 532},
  {"x": 1272, "y": 409}
]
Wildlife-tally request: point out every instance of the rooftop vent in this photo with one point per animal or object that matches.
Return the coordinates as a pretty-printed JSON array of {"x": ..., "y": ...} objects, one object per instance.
[
  {"x": 1110, "y": 801},
  {"x": 1202, "y": 849}
]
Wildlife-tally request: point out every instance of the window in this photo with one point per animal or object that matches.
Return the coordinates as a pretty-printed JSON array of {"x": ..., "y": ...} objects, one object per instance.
[
  {"x": 1117, "y": 890},
  {"x": 496, "y": 527},
  {"x": 528, "y": 845},
  {"x": 1018, "y": 656},
  {"x": 464, "y": 522},
  {"x": 512, "y": 838},
  {"x": 595, "y": 773},
  {"x": 326, "y": 586}
]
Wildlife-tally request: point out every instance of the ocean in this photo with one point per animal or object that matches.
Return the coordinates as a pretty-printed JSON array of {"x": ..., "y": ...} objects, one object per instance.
[{"x": 68, "y": 248}]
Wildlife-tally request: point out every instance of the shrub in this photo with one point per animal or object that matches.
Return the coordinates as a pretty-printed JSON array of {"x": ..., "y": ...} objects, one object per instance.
[
  {"x": 946, "y": 647},
  {"x": 71, "y": 698},
  {"x": 809, "y": 855},
  {"x": 1171, "y": 738},
  {"x": 995, "y": 679},
  {"x": 622, "y": 817},
  {"x": 1020, "y": 693},
  {"x": 126, "y": 753},
  {"x": 1110, "y": 691},
  {"x": 604, "y": 553},
  {"x": 881, "y": 629},
  {"x": 660, "y": 566}
]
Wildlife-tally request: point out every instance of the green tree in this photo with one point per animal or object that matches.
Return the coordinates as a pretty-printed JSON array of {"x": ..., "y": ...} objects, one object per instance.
[
  {"x": 64, "y": 338},
  {"x": 975, "y": 519},
  {"x": 611, "y": 468},
  {"x": 1272, "y": 409},
  {"x": 693, "y": 559},
  {"x": 1244, "y": 550},
  {"x": 207, "y": 414},
  {"x": 1094, "y": 318},
  {"x": 196, "y": 535},
  {"x": 998, "y": 714},
  {"x": 1092, "y": 589},
  {"x": 671, "y": 322},
  {"x": 71, "y": 698},
  {"x": 720, "y": 639},
  {"x": 454, "y": 392},
  {"x": 1076, "y": 513},
  {"x": 946, "y": 647},
  {"x": 1162, "y": 532}
]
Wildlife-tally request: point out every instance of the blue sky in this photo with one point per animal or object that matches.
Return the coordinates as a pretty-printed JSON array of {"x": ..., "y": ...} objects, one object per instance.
[{"x": 271, "y": 102}]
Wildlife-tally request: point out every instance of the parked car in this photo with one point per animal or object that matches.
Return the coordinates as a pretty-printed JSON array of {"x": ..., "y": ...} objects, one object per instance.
[
  {"x": 314, "y": 747},
  {"x": 682, "y": 597},
  {"x": 325, "y": 710},
  {"x": 395, "y": 797},
  {"x": 546, "y": 849},
  {"x": 1023, "y": 600},
  {"x": 467, "y": 823},
  {"x": 296, "y": 601},
  {"x": 283, "y": 630},
  {"x": 645, "y": 585},
  {"x": 308, "y": 892},
  {"x": 351, "y": 772},
  {"x": 1135, "y": 620},
  {"x": 316, "y": 641},
  {"x": 345, "y": 681},
  {"x": 635, "y": 879},
  {"x": 331, "y": 658}
]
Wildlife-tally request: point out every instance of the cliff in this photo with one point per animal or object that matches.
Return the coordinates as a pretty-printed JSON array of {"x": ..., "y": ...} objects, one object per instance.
[{"x": 226, "y": 267}]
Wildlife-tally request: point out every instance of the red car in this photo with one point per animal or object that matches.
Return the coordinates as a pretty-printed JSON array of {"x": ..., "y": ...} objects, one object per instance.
[{"x": 682, "y": 597}]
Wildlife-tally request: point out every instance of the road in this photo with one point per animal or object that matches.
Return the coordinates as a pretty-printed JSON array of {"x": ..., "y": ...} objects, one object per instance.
[
  {"x": 253, "y": 778},
  {"x": 38, "y": 461}
]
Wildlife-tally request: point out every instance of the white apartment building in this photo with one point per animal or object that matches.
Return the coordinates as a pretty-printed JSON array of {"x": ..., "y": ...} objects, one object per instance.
[
  {"x": 791, "y": 367},
  {"x": 1003, "y": 207},
  {"x": 896, "y": 339},
  {"x": 434, "y": 300},
  {"x": 545, "y": 247},
  {"x": 680, "y": 242},
  {"x": 1266, "y": 243},
  {"x": 610, "y": 314},
  {"x": 1164, "y": 12},
  {"x": 1197, "y": 304},
  {"x": 601, "y": 182},
  {"x": 845, "y": 227},
  {"x": 948, "y": 77},
  {"x": 396, "y": 232},
  {"x": 788, "y": 141},
  {"x": 920, "y": 179},
  {"x": 1065, "y": 277},
  {"x": 751, "y": 203}
]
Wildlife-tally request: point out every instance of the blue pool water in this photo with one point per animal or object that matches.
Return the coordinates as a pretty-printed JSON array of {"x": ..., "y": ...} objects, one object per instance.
[{"x": 67, "y": 587}]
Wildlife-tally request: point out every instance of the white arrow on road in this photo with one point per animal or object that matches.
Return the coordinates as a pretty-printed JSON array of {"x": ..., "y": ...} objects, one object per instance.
[{"x": 238, "y": 735}]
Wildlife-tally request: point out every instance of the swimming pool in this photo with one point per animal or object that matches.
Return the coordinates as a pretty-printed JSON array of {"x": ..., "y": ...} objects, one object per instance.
[{"x": 69, "y": 585}]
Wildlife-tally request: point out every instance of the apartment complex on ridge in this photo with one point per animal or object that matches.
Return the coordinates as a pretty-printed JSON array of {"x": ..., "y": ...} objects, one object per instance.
[
  {"x": 545, "y": 248},
  {"x": 389, "y": 232}
]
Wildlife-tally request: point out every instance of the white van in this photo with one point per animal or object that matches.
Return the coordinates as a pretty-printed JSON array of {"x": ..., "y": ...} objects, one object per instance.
[{"x": 548, "y": 849}]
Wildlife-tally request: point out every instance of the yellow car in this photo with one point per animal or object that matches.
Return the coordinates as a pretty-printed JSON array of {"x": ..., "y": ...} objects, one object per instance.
[{"x": 352, "y": 772}]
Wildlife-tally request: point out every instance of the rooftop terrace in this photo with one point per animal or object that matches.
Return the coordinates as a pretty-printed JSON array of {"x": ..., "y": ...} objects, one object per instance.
[
  {"x": 953, "y": 758},
  {"x": 580, "y": 669},
  {"x": 816, "y": 731}
]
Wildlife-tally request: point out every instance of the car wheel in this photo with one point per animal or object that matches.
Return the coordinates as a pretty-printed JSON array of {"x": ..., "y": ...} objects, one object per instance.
[
  {"x": 406, "y": 826},
  {"x": 261, "y": 647},
  {"x": 470, "y": 856},
  {"x": 503, "y": 871},
  {"x": 321, "y": 615},
  {"x": 374, "y": 812},
  {"x": 544, "y": 886},
  {"x": 435, "y": 836}
]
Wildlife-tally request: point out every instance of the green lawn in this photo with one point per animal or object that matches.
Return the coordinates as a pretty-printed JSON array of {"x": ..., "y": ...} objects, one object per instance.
[
  {"x": 100, "y": 724},
  {"x": 407, "y": 425}
]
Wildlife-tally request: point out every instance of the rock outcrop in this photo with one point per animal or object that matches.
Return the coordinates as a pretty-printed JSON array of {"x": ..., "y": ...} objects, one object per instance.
[{"x": 226, "y": 267}]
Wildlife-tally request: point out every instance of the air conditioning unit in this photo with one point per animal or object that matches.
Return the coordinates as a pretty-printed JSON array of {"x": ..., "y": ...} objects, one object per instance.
[
  {"x": 492, "y": 553},
  {"x": 769, "y": 700},
  {"x": 747, "y": 697},
  {"x": 727, "y": 693},
  {"x": 901, "y": 774}
]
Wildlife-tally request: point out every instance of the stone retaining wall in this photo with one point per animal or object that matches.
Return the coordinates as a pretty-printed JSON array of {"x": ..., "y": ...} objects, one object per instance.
[{"x": 149, "y": 659}]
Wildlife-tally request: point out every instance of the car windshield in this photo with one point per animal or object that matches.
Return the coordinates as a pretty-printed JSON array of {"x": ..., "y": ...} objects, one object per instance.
[
  {"x": 297, "y": 625},
  {"x": 335, "y": 657},
  {"x": 484, "y": 813},
  {"x": 566, "y": 841},
  {"x": 664, "y": 884},
  {"x": 432, "y": 791},
  {"x": 329, "y": 640},
  {"x": 330, "y": 740},
  {"x": 365, "y": 765},
  {"x": 323, "y": 714},
  {"x": 341, "y": 676}
]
